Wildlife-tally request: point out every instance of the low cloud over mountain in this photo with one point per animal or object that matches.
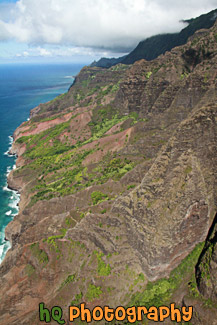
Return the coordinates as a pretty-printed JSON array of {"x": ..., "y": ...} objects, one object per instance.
[{"x": 114, "y": 25}]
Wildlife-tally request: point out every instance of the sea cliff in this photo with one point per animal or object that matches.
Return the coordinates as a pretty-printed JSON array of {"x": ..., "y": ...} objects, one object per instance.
[{"x": 118, "y": 193}]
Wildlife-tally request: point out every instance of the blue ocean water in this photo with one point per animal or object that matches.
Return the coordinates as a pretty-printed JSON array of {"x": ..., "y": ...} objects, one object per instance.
[{"x": 22, "y": 87}]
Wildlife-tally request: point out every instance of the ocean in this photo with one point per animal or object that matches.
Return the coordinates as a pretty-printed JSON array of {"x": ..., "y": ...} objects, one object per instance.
[{"x": 22, "y": 87}]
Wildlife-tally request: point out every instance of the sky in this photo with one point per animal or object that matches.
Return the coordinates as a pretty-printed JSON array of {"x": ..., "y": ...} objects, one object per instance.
[{"x": 86, "y": 30}]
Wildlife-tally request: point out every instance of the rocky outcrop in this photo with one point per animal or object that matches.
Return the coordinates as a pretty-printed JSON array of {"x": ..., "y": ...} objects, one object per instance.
[
  {"x": 171, "y": 211},
  {"x": 206, "y": 269},
  {"x": 117, "y": 182}
]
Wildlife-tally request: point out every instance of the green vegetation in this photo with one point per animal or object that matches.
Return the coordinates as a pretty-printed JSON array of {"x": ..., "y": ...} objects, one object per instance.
[
  {"x": 159, "y": 292},
  {"x": 85, "y": 83},
  {"x": 184, "y": 75},
  {"x": 116, "y": 168},
  {"x": 193, "y": 287},
  {"x": 49, "y": 118},
  {"x": 93, "y": 292},
  {"x": 59, "y": 164},
  {"x": 82, "y": 215},
  {"x": 70, "y": 278},
  {"x": 45, "y": 143},
  {"x": 77, "y": 300},
  {"x": 72, "y": 176},
  {"x": 103, "y": 268},
  {"x": 59, "y": 97},
  {"x": 48, "y": 151},
  {"x": 204, "y": 275},
  {"x": 66, "y": 181},
  {"x": 63, "y": 163},
  {"x": 99, "y": 129},
  {"x": 115, "y": 87},
  {"x": 105, "y": 90},
  {"x": 70, "y": 223},
  {"x": 63, "y": 231},
  {"x": 98, "y": 197},
  {"x": 140, "y": 277},
  {"x": 52, "y": 242},
  {"x": 29, "y": 269},
  {"x": 40, "y": 254},
  {"x": 51, "y": 239},
  {"x": 148, "y": 74},
  {"x": 22, "y": 139},
  {"x": 205, "y": 264},
  {"x": 75, "y": 179},
  {"x": 105, "y": 118},
  {"x": 131, "y": 186},
  {"x": 188, "y": 169},
  {"x": 119, "y": 67}
]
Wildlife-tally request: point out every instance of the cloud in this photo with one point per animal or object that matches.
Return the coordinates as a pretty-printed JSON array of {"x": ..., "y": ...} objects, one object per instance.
[
  {"x": 44, "y": 52},
  {"x": 117, "y": 25},
  {"x": 59, "y": 51},
  {"x": 35, "y": 52}
]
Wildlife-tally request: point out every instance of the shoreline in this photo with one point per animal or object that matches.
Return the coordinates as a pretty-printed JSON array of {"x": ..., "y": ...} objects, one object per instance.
[
  {"x": 13, "y": 203},
  {"x": 50, "y": 86}
]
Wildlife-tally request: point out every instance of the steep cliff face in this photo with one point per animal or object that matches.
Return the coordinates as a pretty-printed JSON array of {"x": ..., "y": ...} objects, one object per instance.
[
  {"x": 202, "y": 286},
  {"x": 207, "y": 266},
  {"x": 117, "y": 182}
]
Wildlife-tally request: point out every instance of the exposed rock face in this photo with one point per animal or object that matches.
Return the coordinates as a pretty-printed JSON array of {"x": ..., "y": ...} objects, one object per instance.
[
  {"x": 169, "y": 211},
  {"x": 206, "y": 270},
  {"x": 205, "y": 299},
  {"x": 117, "y": 182}
]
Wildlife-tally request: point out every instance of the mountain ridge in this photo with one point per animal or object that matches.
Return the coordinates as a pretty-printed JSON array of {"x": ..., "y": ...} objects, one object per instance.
[
  {"x": 117, "y": 183},
  {"x": 156, "y": 45}
]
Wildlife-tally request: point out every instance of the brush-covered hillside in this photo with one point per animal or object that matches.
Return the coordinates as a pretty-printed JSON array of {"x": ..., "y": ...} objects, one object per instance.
[{"x": 118, "y": 194}]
